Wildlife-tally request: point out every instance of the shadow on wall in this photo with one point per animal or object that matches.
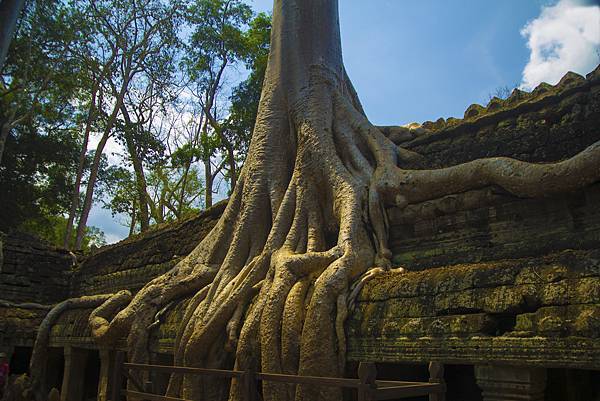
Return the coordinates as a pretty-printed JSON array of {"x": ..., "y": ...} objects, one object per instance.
[
  {"x": 19, "y": 362},
  {"x": 573, "y": 385},
  {"x": 92, "y": 375}
]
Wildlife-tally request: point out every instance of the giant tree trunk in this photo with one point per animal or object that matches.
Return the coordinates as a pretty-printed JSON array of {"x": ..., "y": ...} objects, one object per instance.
[
  {"x": 4, "y": 131},
  {"x": 269, "y": 285}
]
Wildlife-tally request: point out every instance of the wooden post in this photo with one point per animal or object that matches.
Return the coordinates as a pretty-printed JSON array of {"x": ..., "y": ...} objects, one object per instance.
[
  {"x": 117, "y": 377},
  {"x": 436, "y": 375},
  {"x": 367, "y": 373}
]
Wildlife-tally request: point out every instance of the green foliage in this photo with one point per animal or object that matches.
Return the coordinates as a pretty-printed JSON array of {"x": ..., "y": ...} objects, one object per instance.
[
  {"x": 169, "y": 195},
  {"x": 52, "y": 229},
  {"x": 63, "y": 47},
  {"x": 120, "y": 188},
  {"x": 35, "y": 176},
  {"x": 217, "y": 37},
  {"x": 226, "y": 33},
  {"x": 37, "y": 91}
]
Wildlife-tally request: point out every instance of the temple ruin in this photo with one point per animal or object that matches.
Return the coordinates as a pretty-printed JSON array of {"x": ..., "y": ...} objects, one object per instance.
[{"x": 503, "y": 291}]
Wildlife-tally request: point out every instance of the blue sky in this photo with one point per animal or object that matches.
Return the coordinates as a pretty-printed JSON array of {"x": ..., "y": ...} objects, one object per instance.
[{"x": 418, "y": 60}]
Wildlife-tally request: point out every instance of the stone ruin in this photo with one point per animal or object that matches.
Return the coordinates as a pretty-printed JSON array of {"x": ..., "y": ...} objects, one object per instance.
[{"x": 504, "y": 291}]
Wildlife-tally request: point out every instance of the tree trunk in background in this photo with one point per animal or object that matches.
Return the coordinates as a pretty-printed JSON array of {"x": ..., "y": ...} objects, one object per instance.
[
  {"x": 89, "y": 193},
  {"x": 80, "y": 167},
  {"x": 232, "y": 167},
  {"x": 208, "y": 182},
  {"x": 9, "y": 14},
  {"x": 133, "y": 219},
  {"x": 138, "y": 168},
  {"x": 5, "y": 127},
  {"x": 4, "y": 131}
]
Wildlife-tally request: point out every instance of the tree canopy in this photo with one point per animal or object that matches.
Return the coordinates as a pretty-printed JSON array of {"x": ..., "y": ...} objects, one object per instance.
[{"x": 155, "y": 80}]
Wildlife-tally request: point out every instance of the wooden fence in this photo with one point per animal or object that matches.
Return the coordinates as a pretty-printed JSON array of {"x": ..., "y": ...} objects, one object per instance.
[{"x": 366, "y": 385}]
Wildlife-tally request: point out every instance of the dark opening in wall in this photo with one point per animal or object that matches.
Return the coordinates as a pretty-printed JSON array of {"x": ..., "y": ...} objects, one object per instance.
[
  {"x": 394, "y": 371},
  {"x": 461, "y": 384},
  {"x": 573, "y": 385},
  {"x": 404, "y": 372},
  {"x": 92, "y": 376},
  {"x": 460, "y": 379},
  {"x": 19, "y": 362},
  {"x": 55, "y": 368}
]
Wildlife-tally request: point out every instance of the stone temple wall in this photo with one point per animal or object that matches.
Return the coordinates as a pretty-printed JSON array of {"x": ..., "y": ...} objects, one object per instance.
[
  {"x": 33, "y": 270},
  {"x": 33, "y": 275},
  {"x": 549, "y": 124},
  {"x": 134, "y": 261},
  {"x": 492, "y": 277}
]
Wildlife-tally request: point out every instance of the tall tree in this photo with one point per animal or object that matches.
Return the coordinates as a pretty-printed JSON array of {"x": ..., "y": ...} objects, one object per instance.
[
  {"x": 96, "y": 57},
  {"x": 216, "y": 43},
  {"x": 271, "y": 281},
  {"x": 151, "y": 92},
  {"x": 139, "y": 31}
]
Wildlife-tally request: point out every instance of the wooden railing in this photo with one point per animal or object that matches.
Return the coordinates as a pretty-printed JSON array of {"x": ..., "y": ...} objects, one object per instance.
[{"x": 367, "y": 386}]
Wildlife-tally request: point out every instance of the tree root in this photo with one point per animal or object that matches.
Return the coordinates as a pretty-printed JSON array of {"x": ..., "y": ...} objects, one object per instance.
[
  {"x": 39, "y": 355},
  {"x": 276, "y": 297}
]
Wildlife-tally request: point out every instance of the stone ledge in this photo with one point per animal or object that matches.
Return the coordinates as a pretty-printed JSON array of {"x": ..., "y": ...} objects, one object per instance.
[{"x": 569, "y": 352}]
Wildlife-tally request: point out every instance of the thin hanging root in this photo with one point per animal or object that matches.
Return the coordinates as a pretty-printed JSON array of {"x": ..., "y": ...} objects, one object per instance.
[
  {"x": 189, "y": 311},
  {"x": 270, "y": 331},
  {"x": 183, "y": 333},
  {"x": 364, "y": 279},
  {"x": 291, "y": 326},
  {"x": 159, "y": 316},
  {"x": 248, "y": 350}
]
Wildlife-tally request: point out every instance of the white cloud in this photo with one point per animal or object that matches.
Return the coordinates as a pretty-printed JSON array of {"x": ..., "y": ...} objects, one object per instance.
[{"x": 565, "y": 37}]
